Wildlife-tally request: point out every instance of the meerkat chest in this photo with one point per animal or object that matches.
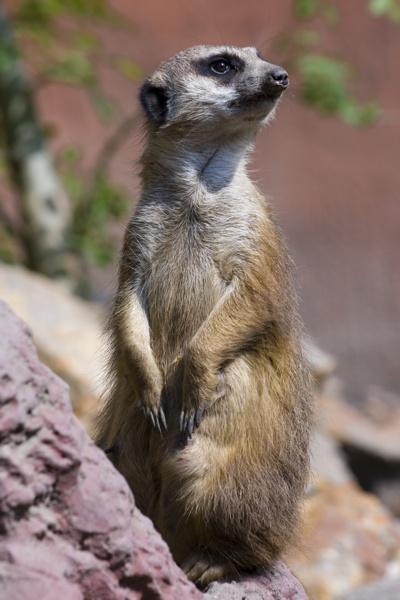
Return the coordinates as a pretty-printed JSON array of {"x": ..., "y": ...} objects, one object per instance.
[
  {"x": 188, "y": 254},
  {"x": 191, "y": 235}
]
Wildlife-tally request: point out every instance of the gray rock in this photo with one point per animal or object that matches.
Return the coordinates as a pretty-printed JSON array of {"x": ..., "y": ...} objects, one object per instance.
[
  {"x": 369, "y": 438},
  {"x": 385, "y": 589},
  {"x": 327, "y": 460},
  {"x": 321, "y": 363}
]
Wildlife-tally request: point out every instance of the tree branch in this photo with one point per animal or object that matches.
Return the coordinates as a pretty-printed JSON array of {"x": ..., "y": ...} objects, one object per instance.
[{"x": 44, "y": 204}]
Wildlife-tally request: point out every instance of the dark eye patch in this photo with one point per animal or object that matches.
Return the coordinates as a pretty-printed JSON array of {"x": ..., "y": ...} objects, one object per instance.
[{"x": 204, "y": 66}]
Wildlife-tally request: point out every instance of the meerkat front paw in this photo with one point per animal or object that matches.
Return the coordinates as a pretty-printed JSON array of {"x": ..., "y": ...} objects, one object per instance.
[
  {"x": 151, "y": 405},
  {"x": 197, "y": 396},
  {"x": 190, "y": 418}
]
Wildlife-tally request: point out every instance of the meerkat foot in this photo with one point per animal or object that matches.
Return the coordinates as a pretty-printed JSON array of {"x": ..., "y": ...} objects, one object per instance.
[{"x": 203, "y": 570}]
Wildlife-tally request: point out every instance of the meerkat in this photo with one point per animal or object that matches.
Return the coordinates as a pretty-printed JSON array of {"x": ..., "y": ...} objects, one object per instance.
[{"x": 209, "y": 407}]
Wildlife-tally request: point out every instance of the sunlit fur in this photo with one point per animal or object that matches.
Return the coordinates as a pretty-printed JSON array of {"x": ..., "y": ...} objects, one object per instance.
[{"x": 205, "y": 315}]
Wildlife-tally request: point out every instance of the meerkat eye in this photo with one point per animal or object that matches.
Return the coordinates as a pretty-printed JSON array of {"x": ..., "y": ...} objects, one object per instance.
[{"x": 220, "y": 66}]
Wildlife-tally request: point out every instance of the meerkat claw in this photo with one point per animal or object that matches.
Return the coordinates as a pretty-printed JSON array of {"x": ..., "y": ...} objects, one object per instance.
[
  {"x": 190, "y": 420},
  {"x": 190, "y": 424},
  {"x": 182, "y": 420},
  {"x": 149, "y": 414},
  {"x": 157, "y": 418},
  {"x": 198, "y": 416},
  {"x": 162, "y": 418}
]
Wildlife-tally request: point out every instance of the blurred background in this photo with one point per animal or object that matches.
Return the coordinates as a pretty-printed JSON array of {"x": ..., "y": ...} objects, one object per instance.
[{"x": 70, "y": 137}]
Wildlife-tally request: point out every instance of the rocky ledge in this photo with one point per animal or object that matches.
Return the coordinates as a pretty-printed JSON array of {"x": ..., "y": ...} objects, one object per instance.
[{"x": 68, "y": 522}]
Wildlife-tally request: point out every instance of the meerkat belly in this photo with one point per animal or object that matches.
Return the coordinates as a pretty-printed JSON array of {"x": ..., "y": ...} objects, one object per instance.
[{"x": 181, "y": 290}]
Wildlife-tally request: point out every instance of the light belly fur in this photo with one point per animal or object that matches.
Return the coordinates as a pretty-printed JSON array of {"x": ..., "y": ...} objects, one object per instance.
[{"x": 179, "y": 293}]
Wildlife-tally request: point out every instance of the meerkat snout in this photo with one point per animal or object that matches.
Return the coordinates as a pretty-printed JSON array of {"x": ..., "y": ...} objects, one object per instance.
[{"x": 211, "y": 85}]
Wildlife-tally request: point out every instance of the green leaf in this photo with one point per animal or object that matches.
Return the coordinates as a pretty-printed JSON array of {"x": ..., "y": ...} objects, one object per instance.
[
  {"x": 304, "y": 9},
  {"x": 94, "y": 209},
  {"x": 306, "y": 38},
  {"x": 10, "y": 251},
  {"x": 324, "y": 81},
  {"x": 70, "y": 155},
  {"x": 73, "y": 68},
  {"x": 360, "y": 114},
  {"x": 42, "y": 36},
  {"x": 387, "y": 8},
  {"x": 108, "y": 199},
  {"x": 74, "y": 186},
  {"x": 128, "y": 68},
  {"x": 98, "y": 249},
  {"x": 380, "y": 7},
  {"x": 325, "y": 87},
  {"x": 104, "y": 108},
  {"x": 85, "y": 8},
  {"x": 331, "y": 14},
  {"x": 42, "y": 12},
  {"x": 38, "y": 13},
  {"x": 84, "y": 41}
]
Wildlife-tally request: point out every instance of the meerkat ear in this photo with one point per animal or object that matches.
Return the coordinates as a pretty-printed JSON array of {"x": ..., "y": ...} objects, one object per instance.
[{"x": 154, "y": 100}]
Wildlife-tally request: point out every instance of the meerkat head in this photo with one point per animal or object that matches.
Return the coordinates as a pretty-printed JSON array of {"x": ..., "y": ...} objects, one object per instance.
[{"x": 206, "y": 86}]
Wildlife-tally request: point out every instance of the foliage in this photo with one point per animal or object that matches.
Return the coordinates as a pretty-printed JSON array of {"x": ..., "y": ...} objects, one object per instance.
[
  {"x": 96, "y": 205},
  {"x": 70, "y": 52},
  {"x": 386, "y": 8},
  {"x": 325, "y": 81},
  {"x": 306, "y": 9},
  {"x": 10, "y": 251},
  {"x": 41, "y": 13},
  {"x": 73, "y": 68},
  {"x": 325, "y": 87},
  {"x": 128, "y": 67},
  {"x": 91, "y": 235}
]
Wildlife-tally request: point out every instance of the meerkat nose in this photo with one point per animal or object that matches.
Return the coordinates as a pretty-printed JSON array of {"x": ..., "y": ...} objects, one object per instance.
[{"x": 278, "y": 76}]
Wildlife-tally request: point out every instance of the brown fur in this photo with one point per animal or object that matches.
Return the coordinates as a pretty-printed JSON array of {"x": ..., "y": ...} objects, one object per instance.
[{"x": 205, "y": 316}]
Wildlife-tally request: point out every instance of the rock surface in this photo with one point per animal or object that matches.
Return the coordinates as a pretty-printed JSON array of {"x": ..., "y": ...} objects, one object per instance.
[
  {"x": 348, "y": 540},
  {"x": 66, "y": 330},
  {"x": 386, "y": 589},
  {"x": 379, "y": 435},
  {"x": 327, "y": 460},
  {"x": 70, "y": 529},
  {"x": 278, "y": 584},
  {"x": 369, "y": 438},
  {"x": 321, "y": 363}
]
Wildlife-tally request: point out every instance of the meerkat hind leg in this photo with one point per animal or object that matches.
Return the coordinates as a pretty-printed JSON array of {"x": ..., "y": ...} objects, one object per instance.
[{"x": 203, "y": 569}]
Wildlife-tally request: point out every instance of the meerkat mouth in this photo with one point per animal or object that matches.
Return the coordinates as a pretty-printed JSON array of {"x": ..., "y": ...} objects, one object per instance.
[{"x": 257, "y": 100}]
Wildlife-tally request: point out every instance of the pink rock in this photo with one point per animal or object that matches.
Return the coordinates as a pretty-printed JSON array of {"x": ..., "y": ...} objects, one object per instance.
[
  {"x": 70, "y": 529},
  {"x": 276, "y": 584}
]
